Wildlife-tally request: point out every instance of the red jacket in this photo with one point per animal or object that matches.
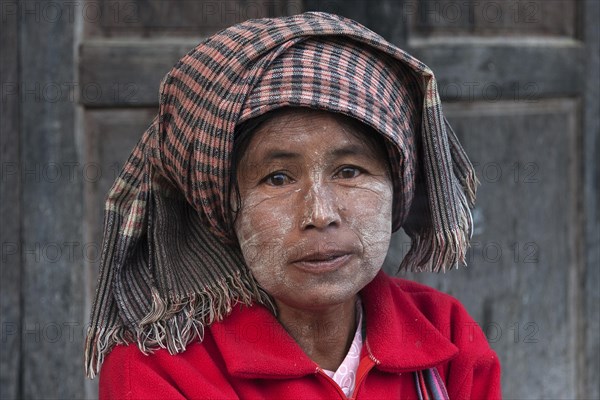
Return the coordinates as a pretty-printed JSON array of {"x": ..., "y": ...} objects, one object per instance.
[{"x": 249, "y": 355}]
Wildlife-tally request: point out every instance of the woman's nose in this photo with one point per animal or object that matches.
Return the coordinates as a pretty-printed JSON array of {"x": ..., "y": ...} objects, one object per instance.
[{"x": 320, "y": 208}]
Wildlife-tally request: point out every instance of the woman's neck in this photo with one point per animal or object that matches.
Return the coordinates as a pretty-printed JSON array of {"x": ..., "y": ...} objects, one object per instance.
[{"x": 325, "y": 335}]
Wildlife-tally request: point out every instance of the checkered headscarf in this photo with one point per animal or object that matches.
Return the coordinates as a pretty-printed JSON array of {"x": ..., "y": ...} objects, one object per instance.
[{"x": 170, "y": 263}]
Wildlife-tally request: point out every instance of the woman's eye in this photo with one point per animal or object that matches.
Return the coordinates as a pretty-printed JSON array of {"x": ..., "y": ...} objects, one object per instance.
[
  {"x": 277, "y": 179},
  {"x": 348, "y": 173}
]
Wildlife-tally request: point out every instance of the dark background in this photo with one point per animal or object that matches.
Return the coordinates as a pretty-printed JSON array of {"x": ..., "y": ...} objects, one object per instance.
[{"x": 519, "y": 80}]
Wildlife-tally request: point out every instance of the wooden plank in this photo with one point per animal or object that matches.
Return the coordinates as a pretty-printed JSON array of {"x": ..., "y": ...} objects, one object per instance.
[
  {"x": 591, "y": 202},
  {"x": 503, "y": 69},
  {"x": 52, "y": 247},
  {"x": 10, "y": 209},
  {"x": 440, "y": 17},
  {"x": 159, "y": 18},
  {"x": 126, "y": 73},
  {"x": 386, "y": 18},
  {"x": 518, "y": 284},
  {"x": 492, "y": 18},
  {"x": 534, "y": 17}
]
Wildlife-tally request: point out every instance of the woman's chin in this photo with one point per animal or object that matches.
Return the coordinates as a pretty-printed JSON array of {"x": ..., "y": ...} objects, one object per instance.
[{"x": 323, "y": 294}]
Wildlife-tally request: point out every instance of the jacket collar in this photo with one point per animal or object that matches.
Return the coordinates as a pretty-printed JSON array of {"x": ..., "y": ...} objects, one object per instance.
[{"x": 399, "y": 337}]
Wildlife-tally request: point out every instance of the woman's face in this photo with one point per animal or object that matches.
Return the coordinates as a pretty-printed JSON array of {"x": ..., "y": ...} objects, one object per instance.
[{"x": 315, "y": 218}]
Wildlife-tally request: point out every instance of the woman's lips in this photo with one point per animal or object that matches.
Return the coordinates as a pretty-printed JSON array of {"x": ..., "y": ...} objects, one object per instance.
[{"x": 320, "y": 263}]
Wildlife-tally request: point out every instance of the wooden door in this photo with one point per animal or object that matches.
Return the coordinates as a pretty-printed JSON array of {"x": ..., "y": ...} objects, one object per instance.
[{"x": 517, "y": 75}]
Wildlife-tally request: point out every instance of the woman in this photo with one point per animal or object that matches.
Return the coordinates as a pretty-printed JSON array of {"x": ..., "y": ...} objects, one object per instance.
[{"x": 245, "y": 236}]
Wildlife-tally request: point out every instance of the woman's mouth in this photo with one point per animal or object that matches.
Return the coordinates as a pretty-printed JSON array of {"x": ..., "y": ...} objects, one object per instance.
[{"x": 322, "y": 262}]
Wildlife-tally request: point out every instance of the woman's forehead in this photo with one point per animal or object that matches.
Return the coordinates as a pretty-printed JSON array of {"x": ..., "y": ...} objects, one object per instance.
[{"x": 297, "y": 126}]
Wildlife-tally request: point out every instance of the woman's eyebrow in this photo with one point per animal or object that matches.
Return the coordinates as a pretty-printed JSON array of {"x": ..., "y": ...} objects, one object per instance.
[
  {"x": 350, "y": 150},
  {"x": 277, "y": 154},
  {"x": 345, "y": 150}
]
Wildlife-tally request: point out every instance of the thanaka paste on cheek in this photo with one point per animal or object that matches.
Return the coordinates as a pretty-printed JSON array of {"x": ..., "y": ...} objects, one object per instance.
[{"x": 317, "y": 213}]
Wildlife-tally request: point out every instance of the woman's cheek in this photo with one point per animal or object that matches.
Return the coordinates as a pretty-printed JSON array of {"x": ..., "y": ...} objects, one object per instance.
[
  {"x": 369, "y": 215},
  {"x": 261, "y": 228}
]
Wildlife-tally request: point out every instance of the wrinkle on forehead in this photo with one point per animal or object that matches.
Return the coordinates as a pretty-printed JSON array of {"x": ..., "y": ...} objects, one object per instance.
[{"x": 282, "y": 120}]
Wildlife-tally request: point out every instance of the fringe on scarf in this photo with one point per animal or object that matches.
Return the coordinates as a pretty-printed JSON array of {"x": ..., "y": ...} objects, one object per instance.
[
  {"x": 172, "y": 325},
  {"x": 445, "y": 250}
]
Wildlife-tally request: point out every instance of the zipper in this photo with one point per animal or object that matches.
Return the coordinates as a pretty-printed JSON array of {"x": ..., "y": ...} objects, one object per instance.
[
  {"x": 337, "y": 387},
  {"x": 366, "y": 364}
]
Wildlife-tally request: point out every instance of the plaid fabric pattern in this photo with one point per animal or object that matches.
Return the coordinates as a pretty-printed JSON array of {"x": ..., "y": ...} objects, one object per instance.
[{"x": 169, "y": 265}]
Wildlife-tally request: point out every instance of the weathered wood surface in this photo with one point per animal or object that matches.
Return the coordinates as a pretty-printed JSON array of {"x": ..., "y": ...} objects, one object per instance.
[
  {"x": 51, "y": 219},
  {"x": 492, "y": 17},
  {"x": 502, "y": 69},
  {"x": 119, "y": 73},
  {"x": 128, "y": 73},
  {"x": 10, "y": 210},
  {"x": 590, "y": 350},
  {"x": 160, "y": 18},
  {"x": 386, "y": 17}
]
